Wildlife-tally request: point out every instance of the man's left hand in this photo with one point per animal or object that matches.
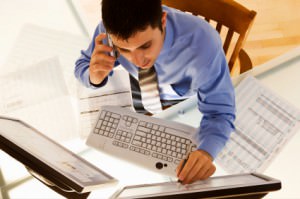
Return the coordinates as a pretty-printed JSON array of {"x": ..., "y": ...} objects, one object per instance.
[{"x": 199, "y": 166}]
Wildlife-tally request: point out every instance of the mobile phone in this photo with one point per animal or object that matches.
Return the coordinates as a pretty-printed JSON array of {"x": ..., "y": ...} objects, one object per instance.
[{"x": 114, "y": 52}]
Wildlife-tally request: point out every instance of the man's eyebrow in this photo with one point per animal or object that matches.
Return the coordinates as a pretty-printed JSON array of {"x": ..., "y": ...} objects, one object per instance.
[{"x": 141, "y": 46}]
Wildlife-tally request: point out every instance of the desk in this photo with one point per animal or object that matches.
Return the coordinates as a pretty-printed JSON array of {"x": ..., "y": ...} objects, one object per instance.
[
  {"x": 14, "y": 14},
  {"x": 284, "y": 79},
  {"x": 281, "y": 75}
]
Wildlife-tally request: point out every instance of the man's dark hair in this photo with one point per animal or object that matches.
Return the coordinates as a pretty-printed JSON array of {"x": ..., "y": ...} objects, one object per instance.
[{"x": 124, "y": 18}]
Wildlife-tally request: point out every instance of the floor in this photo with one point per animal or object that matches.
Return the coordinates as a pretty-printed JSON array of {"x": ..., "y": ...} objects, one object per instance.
[{"x": 275, "y": 30}]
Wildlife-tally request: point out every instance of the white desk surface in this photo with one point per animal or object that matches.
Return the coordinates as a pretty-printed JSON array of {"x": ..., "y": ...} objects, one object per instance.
[
  {"x": 282, "y": 75},
  {"x": 14, "y": 14},
  {"x": 284, "y": 79}
]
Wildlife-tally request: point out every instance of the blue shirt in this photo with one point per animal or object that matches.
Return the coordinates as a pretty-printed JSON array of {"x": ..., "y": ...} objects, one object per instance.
[{"x": 191, "y": 62}]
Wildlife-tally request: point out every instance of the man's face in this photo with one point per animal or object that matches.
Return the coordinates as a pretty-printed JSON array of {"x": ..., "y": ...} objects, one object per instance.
[{"x": 143, "y": 48}]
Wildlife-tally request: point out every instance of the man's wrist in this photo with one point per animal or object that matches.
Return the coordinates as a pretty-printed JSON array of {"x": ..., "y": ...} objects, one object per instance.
[
  {"x": 98, "y": 85},
  {"x": 206, "y": 154}
]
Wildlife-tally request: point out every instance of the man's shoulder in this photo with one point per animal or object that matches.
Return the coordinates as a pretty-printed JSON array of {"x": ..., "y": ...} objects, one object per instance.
[
  {"x": 99, "y": 29},
  {"x": 187, "y": 27}
]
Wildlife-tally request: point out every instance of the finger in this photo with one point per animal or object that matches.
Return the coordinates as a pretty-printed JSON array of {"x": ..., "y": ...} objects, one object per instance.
[
  {"x": 209, "y": 173},
  {"x": 99, "y": 38},
  {"x": 102, "y": 59},
  {"x": 103, "y": 67},
  {"x": 179, "y": 167},
  {"x": 198, "y": 170},
  {"x": 99, "y": 64},
  {"x": 100, "y": 49},
  {"x": 188, "y": 167},
  {"x": 202, "y": 165}
]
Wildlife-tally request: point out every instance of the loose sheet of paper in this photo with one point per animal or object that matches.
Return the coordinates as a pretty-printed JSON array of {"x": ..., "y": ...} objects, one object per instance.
[
  {"x": 55, "y": 118},
  {"x": 116, "y": 92},
  {"x": 264, "y": 123},
  {"x": 32, "y": 85},
  {"x": 36, "y": 43},
  {"x": 38, "y": 95}
]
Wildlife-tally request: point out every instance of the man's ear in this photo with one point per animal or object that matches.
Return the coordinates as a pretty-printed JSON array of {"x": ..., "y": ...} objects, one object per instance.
[{"x": 164, "y": 19}]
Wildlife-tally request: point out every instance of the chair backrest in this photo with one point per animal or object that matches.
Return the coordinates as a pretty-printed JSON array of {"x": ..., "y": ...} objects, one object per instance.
[{"x": 224, "y": 13}]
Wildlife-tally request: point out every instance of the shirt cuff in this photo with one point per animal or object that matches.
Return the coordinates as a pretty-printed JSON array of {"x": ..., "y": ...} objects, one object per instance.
[
  {"x": 212, "y": 145},
  {"x": 98, "y": 85},
  {"x": 88, "y": 82}
]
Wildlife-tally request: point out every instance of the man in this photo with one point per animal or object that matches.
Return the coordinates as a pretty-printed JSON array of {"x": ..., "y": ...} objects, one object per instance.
[{"x": 188, "y": 57}]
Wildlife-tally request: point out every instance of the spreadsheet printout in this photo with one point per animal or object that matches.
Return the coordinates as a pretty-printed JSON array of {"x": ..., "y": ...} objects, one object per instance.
[
  {"x": 36, "y": 43},
  {"x": 28, "y": 93},
  {"x": 264, "y": 123},
  {"x": 32, "y": 85}
]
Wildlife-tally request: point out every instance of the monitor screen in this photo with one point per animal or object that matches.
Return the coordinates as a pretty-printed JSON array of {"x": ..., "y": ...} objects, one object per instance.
[
  {"x": 32, "y": 143},
  {"x": 228, "y": 185}
]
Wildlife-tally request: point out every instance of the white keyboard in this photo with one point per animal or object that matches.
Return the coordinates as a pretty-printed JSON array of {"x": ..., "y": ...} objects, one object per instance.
[{"x": 153, "y": 143}]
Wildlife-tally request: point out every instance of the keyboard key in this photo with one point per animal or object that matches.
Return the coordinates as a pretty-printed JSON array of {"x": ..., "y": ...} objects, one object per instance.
[
  {"x": 141, "y": 133},
  {"x": 142, "y": 123},
  {"x": 144, "y": 129},
  {"x": 137, "y": 143}
]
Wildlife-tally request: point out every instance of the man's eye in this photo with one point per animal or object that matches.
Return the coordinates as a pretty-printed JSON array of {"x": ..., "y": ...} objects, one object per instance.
[
  {"x": 146, "y": 46},
  {"x": 123, "y": 50}
]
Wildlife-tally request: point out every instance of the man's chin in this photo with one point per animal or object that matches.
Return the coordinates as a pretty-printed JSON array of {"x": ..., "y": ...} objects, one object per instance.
[
  {"x": 145, "y": 67},
  {"x": 148, "y": 65}
]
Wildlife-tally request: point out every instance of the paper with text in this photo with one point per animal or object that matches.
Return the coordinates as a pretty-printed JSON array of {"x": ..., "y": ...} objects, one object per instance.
[
  {"x": 38, "y": 95},
  {"x": 36, "y": 43},
  {"x": 116, "y": 92},
  {"x": 32, "y": 85},
  {"x": 264, "y": 124},
  {"x": 55, "y": 118}
]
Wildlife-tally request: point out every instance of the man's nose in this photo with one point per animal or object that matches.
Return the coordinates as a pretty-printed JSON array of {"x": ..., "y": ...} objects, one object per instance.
[{"x": 138, "y": 57}]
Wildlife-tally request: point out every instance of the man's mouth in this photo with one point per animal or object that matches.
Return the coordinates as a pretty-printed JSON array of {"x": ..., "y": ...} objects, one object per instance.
[{"x": 146, "y": 65}]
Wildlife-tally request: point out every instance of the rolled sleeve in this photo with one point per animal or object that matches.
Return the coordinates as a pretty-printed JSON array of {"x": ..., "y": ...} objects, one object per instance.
[{"x": 216, "y": 101}]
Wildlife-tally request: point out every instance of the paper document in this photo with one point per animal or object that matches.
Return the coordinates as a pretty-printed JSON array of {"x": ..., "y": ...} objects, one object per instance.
[
  {"x": 36, "y": 43},
  {"x": 264, "y": 123},
  {"x": 32, "y": 85},
  {"x": 56, "y": 117},
  {"x": 38, "y": 95},
  {"x": 116, "y": 92}
]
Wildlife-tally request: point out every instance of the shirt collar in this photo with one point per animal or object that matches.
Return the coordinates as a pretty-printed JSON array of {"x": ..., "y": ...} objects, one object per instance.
[{"x": 168, "y": 39}]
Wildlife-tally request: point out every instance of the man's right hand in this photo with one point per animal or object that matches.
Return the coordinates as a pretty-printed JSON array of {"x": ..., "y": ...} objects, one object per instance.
[{"x": 101, "y": 63}]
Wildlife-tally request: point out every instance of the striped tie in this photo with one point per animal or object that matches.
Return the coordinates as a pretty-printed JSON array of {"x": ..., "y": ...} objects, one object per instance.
[{"x": 149, "y": 90}]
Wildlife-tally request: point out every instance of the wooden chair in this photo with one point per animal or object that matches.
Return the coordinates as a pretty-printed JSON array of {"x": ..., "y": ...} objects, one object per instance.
[{"x": 224, "y": 13}]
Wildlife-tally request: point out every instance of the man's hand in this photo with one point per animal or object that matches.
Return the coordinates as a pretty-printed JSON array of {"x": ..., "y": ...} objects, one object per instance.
[
  {"x": 199, "y": 166},
  {"x": 101, "y": 63}
]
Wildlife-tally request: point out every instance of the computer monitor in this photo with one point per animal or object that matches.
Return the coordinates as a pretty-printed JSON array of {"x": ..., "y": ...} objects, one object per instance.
[
  {"x": 48, "y": 161},
  {"x": 239, "y": 186}
]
